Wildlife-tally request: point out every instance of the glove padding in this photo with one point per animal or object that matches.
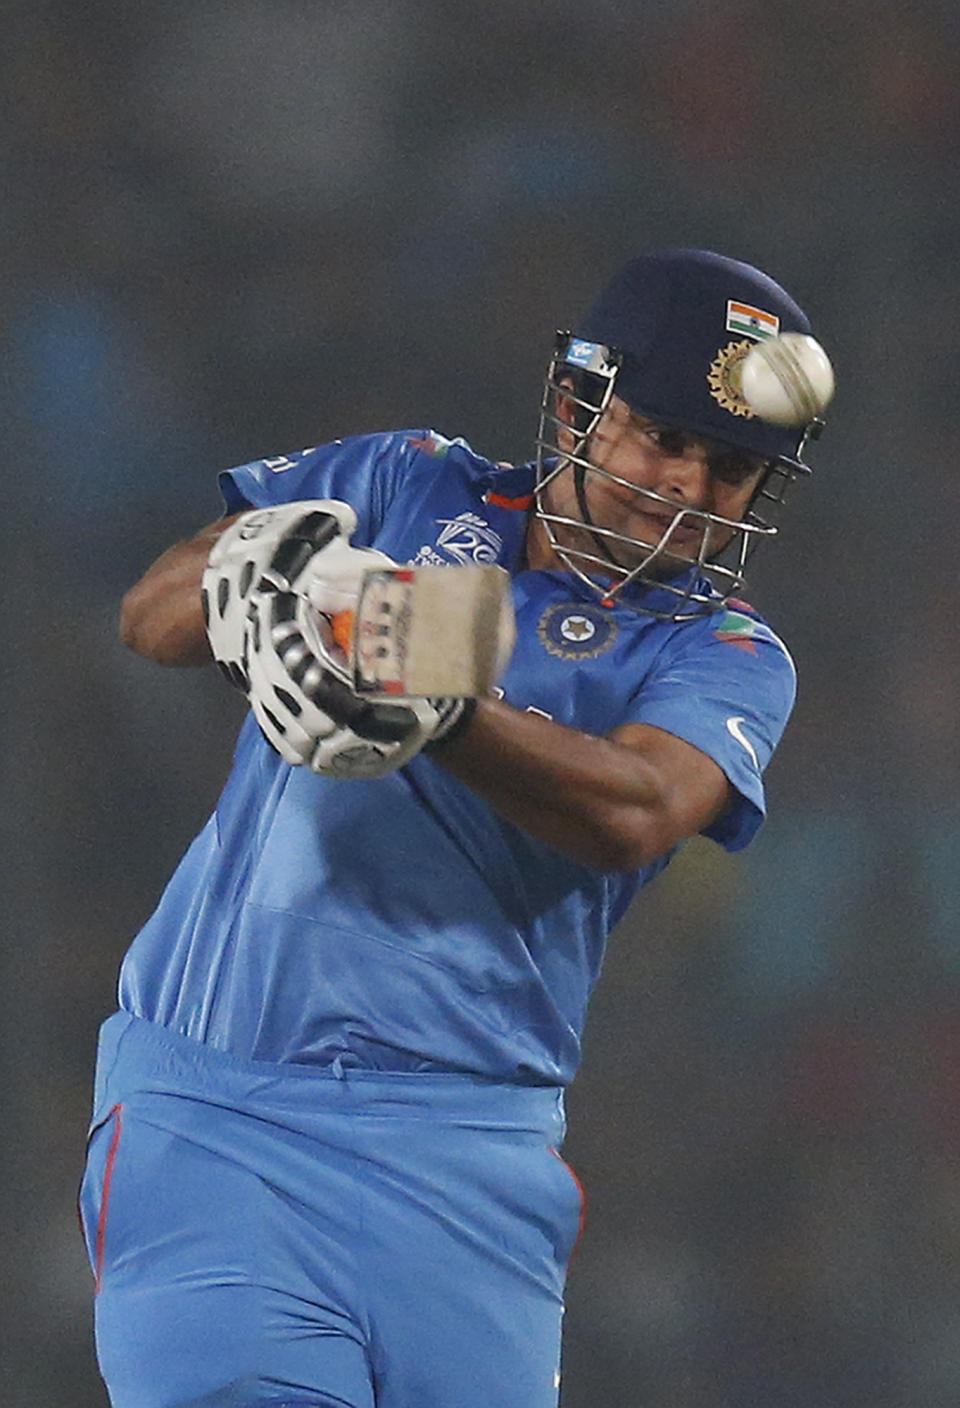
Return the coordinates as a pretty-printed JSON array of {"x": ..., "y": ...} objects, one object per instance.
[
  {"x": 303, "y": 702},
  {"x": 269, "y": 578},
  {"x": 289, "y": 533}
]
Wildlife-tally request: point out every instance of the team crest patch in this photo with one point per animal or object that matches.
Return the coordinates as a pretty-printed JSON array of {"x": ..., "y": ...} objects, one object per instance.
[
  {"x": 725, "y": 378},
  {"x": 576, "y": 631},
  {"x": 736, "y": 629}
]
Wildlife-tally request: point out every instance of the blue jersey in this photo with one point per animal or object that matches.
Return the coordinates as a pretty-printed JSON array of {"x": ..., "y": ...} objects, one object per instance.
[{"x": 401, "y": 924}]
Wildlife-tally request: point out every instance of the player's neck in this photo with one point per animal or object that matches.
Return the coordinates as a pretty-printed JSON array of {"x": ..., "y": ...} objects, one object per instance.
[{"x": 539, "y": 551}]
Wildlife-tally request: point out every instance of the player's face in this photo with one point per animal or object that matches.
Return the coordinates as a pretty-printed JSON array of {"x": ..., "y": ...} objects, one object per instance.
[{"x": 634, "y": 454}]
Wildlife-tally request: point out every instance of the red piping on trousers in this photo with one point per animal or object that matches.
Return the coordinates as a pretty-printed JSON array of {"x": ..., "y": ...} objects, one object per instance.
[
  {"x": 117, "y": 1114},
  {"x": 583, "y": 1196}
]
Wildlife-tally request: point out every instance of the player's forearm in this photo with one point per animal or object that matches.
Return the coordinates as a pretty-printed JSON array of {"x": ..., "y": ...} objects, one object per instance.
[
  {"x": 161, "y": 617},
  {"x": 592, "y": 798}
]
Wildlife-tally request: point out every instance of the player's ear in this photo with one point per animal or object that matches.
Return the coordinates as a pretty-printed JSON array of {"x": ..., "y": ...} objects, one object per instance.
[{"x": 566, "y": 410}]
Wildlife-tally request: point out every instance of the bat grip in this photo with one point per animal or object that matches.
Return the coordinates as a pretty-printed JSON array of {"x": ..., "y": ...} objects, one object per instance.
[{"x": 342, "y": 627}]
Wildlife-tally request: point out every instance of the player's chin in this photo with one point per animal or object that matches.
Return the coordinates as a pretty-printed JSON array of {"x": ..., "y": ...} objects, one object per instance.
[
  {"x": 667, "y": 566},
  {"x": 663, "y": 562},
  {"x": 693, "y": 550}
]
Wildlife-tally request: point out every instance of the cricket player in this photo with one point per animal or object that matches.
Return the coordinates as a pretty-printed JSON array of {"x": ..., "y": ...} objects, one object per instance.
[{"x": 324, "y": 1164}]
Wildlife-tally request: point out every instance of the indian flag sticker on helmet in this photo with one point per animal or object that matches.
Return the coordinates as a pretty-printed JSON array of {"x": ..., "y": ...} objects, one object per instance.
[{"x": 744, "y": 318}]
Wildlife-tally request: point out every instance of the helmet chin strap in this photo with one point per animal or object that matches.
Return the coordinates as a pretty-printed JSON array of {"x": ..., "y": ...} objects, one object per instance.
[{"x": 580, "y": 488}]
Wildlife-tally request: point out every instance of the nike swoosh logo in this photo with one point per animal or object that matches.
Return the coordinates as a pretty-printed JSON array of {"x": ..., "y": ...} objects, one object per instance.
[{"x": 733, "y": 728}]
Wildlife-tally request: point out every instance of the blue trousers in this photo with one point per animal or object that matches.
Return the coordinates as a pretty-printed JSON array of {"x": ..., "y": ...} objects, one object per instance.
[{"x": 286, "y": 1235}]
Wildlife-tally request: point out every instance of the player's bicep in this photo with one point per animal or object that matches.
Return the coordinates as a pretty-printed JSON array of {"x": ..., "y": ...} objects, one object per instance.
[{"x": 693, "y": 790}]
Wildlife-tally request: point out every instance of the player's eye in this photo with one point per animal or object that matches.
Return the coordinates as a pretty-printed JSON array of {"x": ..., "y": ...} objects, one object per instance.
[
  {"x": 672, "y": 443},
  {"x": 729, "y": 465},
  {"x": 736, "y": 467}
]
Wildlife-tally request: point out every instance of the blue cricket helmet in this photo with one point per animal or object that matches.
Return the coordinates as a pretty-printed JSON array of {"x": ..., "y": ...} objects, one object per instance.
[
  {"x": 682, "y": 321},
  {"x": 668, "y": 335}
]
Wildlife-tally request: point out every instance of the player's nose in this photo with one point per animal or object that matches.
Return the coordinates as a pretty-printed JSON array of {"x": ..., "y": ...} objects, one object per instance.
[{"x": 686, "y": 478}]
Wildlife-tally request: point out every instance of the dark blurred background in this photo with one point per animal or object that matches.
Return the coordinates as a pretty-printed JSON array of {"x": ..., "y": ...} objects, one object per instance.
[{"x": 233, "y": 228}]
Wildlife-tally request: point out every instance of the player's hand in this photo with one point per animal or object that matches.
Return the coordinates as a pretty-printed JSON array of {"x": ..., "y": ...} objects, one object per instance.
[
  {"x": 282, "y": 540},
  {"x": 300, "y": 692},
  {"x": 273, "y": 583}
]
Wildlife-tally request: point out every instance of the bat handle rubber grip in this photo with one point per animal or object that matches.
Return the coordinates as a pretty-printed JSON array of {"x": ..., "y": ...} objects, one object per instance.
[{"x": 342, "y": 625}]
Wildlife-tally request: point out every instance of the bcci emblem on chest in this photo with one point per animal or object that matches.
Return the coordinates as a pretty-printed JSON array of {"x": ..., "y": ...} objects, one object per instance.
[{"x": 576, "y": 630}]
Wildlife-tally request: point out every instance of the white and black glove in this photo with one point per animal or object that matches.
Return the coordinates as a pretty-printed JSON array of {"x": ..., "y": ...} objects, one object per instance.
[
  {"x": 242, "y": 554},
  {"x": 301, "y": 695},
  {"x": 270, "y": 588}
]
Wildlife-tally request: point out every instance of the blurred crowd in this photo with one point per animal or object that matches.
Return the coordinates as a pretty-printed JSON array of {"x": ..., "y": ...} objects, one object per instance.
[{"x": 238, "y": 227}]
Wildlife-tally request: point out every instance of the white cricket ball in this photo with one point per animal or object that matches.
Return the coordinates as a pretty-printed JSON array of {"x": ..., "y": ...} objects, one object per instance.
[{"x": 788, "y": 380}]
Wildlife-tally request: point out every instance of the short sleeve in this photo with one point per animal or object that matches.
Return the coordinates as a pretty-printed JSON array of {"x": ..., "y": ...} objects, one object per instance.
[
  {"x": 363, "y": 470},
  {"x": 727, "y": 685}
]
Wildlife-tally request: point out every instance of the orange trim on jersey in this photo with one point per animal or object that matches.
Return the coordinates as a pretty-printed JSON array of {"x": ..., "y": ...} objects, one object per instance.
[
  {"x": 502, "y": 501},
  {"x": 116, "y": 1113}
]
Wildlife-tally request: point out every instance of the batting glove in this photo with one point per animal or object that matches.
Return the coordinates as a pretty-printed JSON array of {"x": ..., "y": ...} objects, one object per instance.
[
  {"x": 273, "y": 581},
  {"x": 243, "y": 553}
]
